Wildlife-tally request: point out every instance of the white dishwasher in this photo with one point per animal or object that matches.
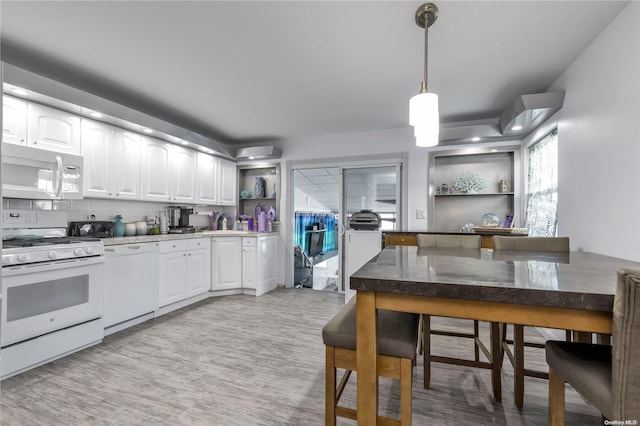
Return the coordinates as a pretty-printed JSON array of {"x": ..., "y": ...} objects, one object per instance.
[{"x": 130, "y": 285}]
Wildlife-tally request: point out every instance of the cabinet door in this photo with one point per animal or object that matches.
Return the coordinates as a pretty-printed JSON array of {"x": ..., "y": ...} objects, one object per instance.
[
  {"x": 155, "y": 170},
  {"x": 53, "y": 130},
  {"x": 14, "y": 120},
  {"x": 183, "y": 179},
  {"x": 97, "y": 150},
  {"x": 198, "y": 272},
  {"x": 226, "y": 263},
  {"x": 207, "y": 179},
  {"x": 266, "y": 264},
  {"x": 249, "y": 270},
  {"x": 126, "y": 165},
  {"x": 227, "y": 185},
  {"x": 172, "y": 278}
]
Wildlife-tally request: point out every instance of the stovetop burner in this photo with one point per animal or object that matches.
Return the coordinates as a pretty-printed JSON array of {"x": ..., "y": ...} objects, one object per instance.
[{"x": 41, "y": 241}]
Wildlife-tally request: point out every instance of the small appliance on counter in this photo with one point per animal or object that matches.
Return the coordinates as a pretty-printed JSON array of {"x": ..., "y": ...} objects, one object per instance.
[
  {"x": 91, "y": 228},
  {"x": 179, "y": 220},
  {"x": 365, "y": 220}
]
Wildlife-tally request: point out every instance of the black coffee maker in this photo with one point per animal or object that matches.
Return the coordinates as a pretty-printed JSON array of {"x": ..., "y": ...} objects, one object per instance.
[
  {"x": 184, "y": 217},
  {"x": 179, "y": 220}
]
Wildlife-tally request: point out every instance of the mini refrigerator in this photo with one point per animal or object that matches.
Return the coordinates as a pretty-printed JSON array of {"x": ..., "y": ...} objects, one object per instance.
[{"x": 360, "y": 247}]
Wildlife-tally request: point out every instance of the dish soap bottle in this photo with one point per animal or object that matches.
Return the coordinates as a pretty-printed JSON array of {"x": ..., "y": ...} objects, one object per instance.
[{"x": 118, "y": 227}]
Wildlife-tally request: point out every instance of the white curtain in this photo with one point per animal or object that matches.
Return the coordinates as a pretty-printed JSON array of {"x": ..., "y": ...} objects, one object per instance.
[{"x": 542, "y": 187}]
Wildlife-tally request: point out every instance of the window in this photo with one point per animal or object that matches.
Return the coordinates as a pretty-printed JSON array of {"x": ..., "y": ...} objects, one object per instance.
[{"x": 541, "y": 217}]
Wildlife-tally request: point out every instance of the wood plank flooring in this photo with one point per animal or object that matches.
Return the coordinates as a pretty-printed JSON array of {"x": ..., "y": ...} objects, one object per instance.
[{"x": 241, "y": 360}]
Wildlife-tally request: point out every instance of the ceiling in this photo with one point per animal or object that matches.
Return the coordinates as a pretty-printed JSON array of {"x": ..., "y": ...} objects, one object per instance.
[
  {"x": 372, "y": 188},
  {"x": 246, "y": 72}
]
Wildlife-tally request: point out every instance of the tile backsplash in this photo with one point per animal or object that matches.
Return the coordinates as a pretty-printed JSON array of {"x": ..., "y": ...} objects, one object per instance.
[{"x": 131, "y": 211}]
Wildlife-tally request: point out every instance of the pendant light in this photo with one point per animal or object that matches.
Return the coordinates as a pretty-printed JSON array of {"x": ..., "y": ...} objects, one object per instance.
[{"x": 423, "y": 107}]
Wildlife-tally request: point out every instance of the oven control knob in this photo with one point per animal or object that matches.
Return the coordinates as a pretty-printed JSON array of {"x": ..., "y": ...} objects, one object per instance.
[
  {"x": 78, "y": 252},
  {"x": 24, "y": 257},
  {"x": 7, "y": 259},
  {"x": 53, "y": 254},
  {"x": 91, "y": 250}
]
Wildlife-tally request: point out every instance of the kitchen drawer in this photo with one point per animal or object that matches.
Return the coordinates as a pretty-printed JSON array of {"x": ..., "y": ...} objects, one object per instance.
[
  {"x": 172, "y": 246},
  {"x": 400, "y": 240},
  {"x": 249, "y": 242},
  {"x": 198, "y": 243}
]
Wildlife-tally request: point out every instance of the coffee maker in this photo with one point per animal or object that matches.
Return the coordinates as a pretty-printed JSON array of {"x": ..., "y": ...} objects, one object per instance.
[{"x": 179, "y": 220}]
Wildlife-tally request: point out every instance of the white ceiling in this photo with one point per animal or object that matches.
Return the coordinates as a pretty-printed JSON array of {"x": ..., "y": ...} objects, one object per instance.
[{"x": 254, "y": 71}]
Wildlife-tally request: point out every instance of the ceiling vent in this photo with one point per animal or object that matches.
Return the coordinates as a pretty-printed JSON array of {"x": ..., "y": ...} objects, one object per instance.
[
  {"x": 265, "y": 152},
  {"x": 529, "y": 111}
]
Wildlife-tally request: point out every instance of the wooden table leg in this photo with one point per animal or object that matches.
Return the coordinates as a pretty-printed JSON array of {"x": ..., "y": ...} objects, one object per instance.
[
  {"x": 367, "y": 351},
  {"x": 496, "y": 365}
]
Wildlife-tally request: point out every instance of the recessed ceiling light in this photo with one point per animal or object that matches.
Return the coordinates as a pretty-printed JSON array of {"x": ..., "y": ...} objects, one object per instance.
[
  {"x": 184, "y": 143},
  {"x": 475, "y": 139},
  {"x": 19, "y": 91},
  {"x": 95, "y": 114},
  {"x": 252, "y": 158},
  {"x": 148, "y": 131},
  {"x": 516, "y": 128}
]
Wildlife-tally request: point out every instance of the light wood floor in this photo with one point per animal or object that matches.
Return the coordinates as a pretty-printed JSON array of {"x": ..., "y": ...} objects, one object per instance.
[{"x": 241, "y": 360}]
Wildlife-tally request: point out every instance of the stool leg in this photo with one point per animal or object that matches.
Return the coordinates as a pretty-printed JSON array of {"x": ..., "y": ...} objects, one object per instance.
[
  {"x": 426, "y": 341},
  {"x": 330, "y": 387},
  {"x": 496, "y": 383},
  {"x": 556, "y": 399},
  {"x": 476, "y": 335},
  {"x": 518, "y": 368},
  {"x": 406, "y": 383}
]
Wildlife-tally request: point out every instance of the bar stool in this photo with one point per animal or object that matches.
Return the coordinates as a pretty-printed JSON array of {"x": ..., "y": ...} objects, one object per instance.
[
  {"x": 516, "y": 357},
  {"x": 397, "y": 340},
  {"x": 464, "y": 242}
]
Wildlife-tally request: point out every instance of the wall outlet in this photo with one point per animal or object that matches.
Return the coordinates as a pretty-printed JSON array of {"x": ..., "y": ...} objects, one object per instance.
[{"x": 420, "y": 214}]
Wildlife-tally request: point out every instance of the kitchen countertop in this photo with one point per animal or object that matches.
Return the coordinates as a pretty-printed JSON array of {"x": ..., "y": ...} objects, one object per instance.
[{"x": 167, "y": 237}]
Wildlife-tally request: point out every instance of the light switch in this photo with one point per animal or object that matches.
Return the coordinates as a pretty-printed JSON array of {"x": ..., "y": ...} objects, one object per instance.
[{"x": 420, "y": 214}]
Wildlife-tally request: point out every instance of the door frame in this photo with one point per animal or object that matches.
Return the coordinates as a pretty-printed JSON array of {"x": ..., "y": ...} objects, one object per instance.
[{"x": 400, "y": 159}]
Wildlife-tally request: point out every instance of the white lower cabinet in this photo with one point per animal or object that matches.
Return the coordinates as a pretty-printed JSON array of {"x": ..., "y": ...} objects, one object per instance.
[
  {"x": 184, "y": 269},
  {"x": 226, "y": 263},
  {"x": 259, "y": 263}
]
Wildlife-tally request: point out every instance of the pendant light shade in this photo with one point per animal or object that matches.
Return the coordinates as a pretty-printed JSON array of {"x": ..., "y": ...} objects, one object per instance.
[
  {"x": 424, "y": 116},
  {"x": 423, "y": 107}
]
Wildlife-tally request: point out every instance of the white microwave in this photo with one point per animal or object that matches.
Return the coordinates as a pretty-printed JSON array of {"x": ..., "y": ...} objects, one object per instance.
[{"x": 40, "y": 175}]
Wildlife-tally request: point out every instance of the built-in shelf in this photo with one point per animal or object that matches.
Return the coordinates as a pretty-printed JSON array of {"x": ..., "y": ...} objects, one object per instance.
[
  {"x": 461, "y": 194},
  {"x": 246, "y": 181},
  {"x": 491, "y": 164}
]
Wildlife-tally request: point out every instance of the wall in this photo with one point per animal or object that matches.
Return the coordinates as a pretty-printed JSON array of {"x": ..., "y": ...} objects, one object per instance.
[
  {"x": 599, "y": 142},
  {"x": 131, "y": 211}
]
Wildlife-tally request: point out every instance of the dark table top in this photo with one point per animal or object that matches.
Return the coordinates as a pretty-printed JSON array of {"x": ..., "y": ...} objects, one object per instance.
[{"x": 575, "y": 280}]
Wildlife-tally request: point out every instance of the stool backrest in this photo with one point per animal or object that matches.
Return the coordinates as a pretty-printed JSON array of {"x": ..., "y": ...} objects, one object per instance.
[
  {"x": 449, "y": 241},
  {"x": 548, "y": 244},
  {"x": 625, "y": 353}
]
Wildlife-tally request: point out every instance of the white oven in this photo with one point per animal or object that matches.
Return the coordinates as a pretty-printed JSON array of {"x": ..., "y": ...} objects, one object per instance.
[
  {"x": 52, "y": 290},
  {"x": 41, "y": 298}
]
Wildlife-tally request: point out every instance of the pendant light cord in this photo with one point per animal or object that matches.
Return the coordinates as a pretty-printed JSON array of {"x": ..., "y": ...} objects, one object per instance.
[{"x": 423, "y": 89}]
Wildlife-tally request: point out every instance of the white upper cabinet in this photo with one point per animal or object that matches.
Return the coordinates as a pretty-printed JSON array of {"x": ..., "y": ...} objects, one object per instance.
[
  {"x": 228, "y": 177},
  {"x": 112, "y": 161},
  {"x": 156, "y": 170},
  {"x": 168, "y": 172},
  {"x": 97, "y": 147},
  {"x": 126, "y": 165},
  {"x": 183, "y": 180},
  {"x": 14, "y": 120},
  {"x": 207, "y": 179},
  {"x": 53, "y": 130}
]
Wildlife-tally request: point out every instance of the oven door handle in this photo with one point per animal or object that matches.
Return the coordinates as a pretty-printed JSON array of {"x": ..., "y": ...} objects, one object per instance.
[{"x": 58, "y": 190}]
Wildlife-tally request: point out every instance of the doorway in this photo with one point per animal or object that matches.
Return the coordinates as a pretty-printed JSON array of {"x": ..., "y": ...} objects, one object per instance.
[{"x": 324, "y": 199}]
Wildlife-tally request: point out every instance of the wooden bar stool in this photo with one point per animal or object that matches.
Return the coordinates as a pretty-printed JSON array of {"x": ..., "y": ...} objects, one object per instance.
[
  {"x": 558, "y": 245},
  {"x": 397, "y": 340}
]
